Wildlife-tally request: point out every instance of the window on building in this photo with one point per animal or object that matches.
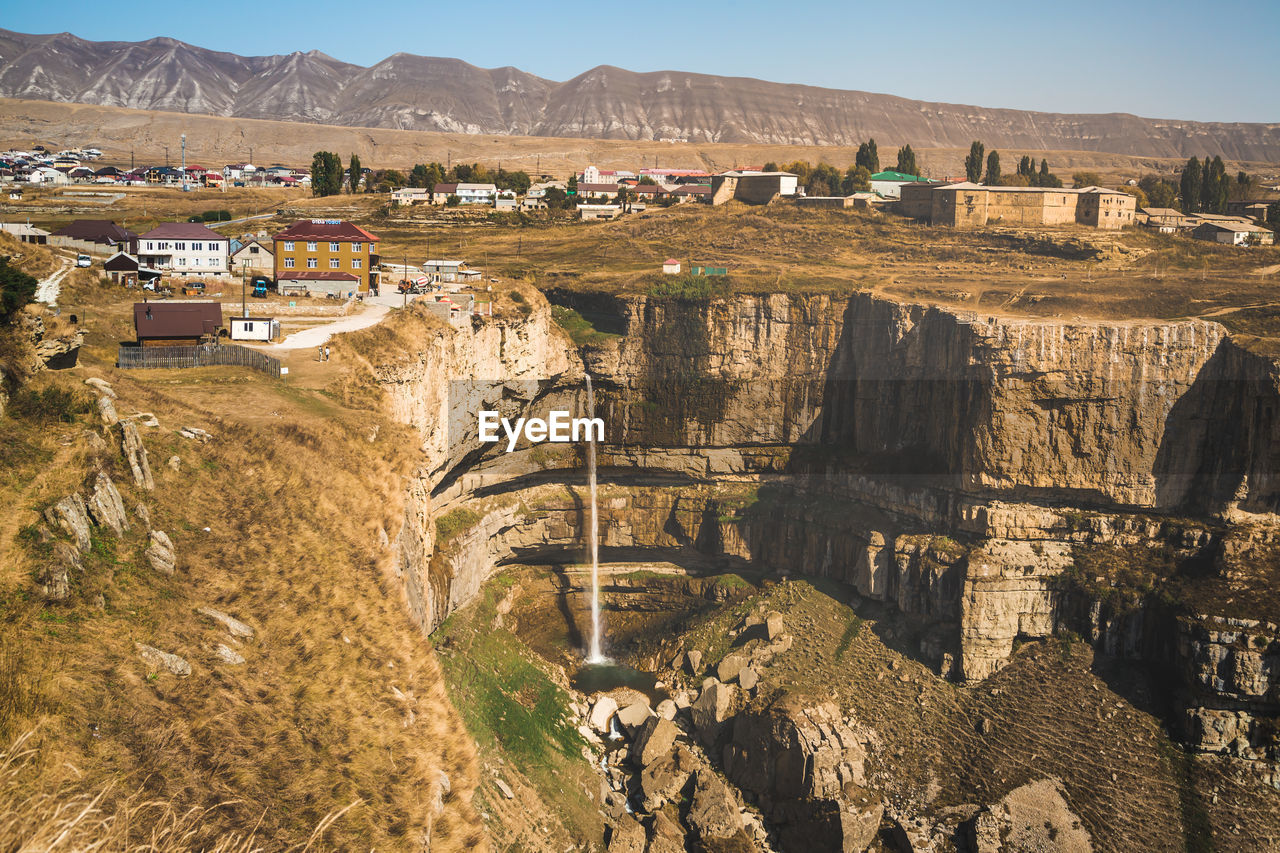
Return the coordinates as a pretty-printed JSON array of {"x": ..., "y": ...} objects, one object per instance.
[
  {"x": 196, "y": 247},
  {"x": 288, "y": 246},
  {"x": 288, "y": 263},
  {"x": 311, "y": 263},
  {"x": 333, "y": 263},
  {"x": 311, "y": 246},
  {"x": 355, "y": 263},
  {"x": 181, "y": 247},
  {"x": 213, "y": 262},
  {"x": 182, "y": 262},
  {"x": 357, "y": 247},
  {"x": 333, "y": 247},
  {"x": 253, "y": 250},
  {"x": 195, "y": 262}
]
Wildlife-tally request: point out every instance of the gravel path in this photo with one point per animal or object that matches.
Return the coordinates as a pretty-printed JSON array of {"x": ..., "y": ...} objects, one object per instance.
[{"x": 47, "y": 290}]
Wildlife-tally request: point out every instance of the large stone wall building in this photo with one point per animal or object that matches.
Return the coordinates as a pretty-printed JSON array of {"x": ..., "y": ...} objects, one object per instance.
[
  {"x": 969, "y": 205},
  {"x": 753, "y": 187}
]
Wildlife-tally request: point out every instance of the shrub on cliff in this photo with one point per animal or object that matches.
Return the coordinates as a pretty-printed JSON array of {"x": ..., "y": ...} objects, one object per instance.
[{"x": 17, "y": 289}]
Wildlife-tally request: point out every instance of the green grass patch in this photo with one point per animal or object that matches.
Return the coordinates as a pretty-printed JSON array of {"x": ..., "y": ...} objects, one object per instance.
[
  {"x": 50, "y": 405},
  {"x": 579, "y": 328},
  {"x": 692, "y": 288},
  {"x": 453, "y": 523},
  {"x": 852, "y": 629}
]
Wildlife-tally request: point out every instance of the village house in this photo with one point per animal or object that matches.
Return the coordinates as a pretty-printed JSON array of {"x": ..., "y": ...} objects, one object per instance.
[
  {"x": 595, "y": 212},
  {"x": 123, "y": 268},
  {"x": 255, "y": 257},
  {"x": 466, "y": 193},
  {"x": 94, "y": 235},
  {"x": 1253, "y": 209},
  {"x": 443, "y": 270},
  {"x": 328, "y": 246},
  {"x": 1165, "y": 220},
  {"x": 176, "y": 323},
  {"x": 186, "y": 248},
  {"x": 753, "y": 187},
  {"x": 1234, "y": 232},
  {"x": 597, "y": 191},
  {"x": 670, "y": 267},
  {"x": 411, "y": 195},
  {"x": 889, "y": 184},
  {"x": 320, "y": 282},
  {"x": 25, "y": 233}
]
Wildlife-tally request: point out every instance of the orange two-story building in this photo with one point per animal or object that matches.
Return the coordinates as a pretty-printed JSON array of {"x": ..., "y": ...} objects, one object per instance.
[{"x": 325, "y": 256}]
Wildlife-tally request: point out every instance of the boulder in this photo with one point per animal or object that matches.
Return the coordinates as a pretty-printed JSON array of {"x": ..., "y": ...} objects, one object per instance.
[
  {"x": 653, "y": 740},
  {"x": 106, "y": 507},
  {"x": 504, "y": 788},
  {"x": 143, "y": 514},
  {"x": 601, "y": 713},
  {"x": 235, "y": 626},
  {"x": 663, "y": 780},
  {"x": 730, "y": 666},
  {"x": 666, "y": 709},
  {"x": 714, "y": 815},
  {"x": 665, "y": 833},
  {"x": 102, "y": 386},
  {"x": 72, "y": 516},
  {"x": 226, "y": 654},
  {"x": 159, "y": 660},
  {"x": 160, "y": 553},
  {"x": 693, "y": 660},
  {"x": 174, "y": 463},
  {"x": 748, "y": 678},
  {"x": 773, "y": 626},
  {"x": 107, "y": 410},
  {"x": 711, "y": 710},
  {"x": 55, "y": 579},
  {"x": 627, "y": 836},
  {"x": 136, "y": 454},
  {"x": 195, "y": 434},
  {"x": 634, "y": 715}
]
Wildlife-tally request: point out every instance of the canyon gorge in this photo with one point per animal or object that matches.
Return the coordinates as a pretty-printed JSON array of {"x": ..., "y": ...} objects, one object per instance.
[{"x": 979, "y": 481}]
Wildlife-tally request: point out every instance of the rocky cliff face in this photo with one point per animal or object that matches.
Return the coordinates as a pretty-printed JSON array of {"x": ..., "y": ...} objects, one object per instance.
[{"x": 969, "y": 469}]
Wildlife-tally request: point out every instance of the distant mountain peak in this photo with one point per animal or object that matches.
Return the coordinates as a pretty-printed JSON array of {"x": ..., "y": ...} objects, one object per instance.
[{"x": 414, "y": 92}]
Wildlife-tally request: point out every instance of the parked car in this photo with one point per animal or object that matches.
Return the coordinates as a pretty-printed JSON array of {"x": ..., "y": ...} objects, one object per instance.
[{"x": 84, "y": 261}]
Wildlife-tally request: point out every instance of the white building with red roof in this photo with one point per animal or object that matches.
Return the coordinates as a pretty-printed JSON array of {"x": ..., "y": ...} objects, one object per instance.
[{"x": 186, "y": 248}]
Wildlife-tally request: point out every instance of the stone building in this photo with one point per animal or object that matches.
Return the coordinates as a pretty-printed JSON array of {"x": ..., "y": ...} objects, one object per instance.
[
  {"x": 969, "y": 205},
  {"x": 753, "y": 187}
]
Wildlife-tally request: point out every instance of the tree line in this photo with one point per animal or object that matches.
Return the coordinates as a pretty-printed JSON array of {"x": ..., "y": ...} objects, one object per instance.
[{"x": 1026, "y": 175}]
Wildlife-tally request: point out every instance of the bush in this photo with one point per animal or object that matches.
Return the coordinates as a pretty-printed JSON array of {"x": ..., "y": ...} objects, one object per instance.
[
  {"x": 453, "y": 523},
  {"x": 17, "y": 289},
  {"x": 50, "y": 405},
  {"x": 689, "y": 288}
]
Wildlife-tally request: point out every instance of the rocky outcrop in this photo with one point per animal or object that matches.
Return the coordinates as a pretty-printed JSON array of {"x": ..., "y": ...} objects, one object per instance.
[
  {"x": 1034, "y": 818},
  {"x": 804, "y": 765},
  {"x": 160, "y": 553},
  {"x": 159, "y": 660},
  {"x": 135, "y": 453},
  {"x": 106, "y": 506}
]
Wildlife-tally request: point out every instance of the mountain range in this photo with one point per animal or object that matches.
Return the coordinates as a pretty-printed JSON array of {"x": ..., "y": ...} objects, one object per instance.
[{"x": 411, "y": 92}]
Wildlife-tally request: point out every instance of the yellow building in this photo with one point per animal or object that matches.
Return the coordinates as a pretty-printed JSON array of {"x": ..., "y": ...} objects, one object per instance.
[{"x": 329, "y": 255}]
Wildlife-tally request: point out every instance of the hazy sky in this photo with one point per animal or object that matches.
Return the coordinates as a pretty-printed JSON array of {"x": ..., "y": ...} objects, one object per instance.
[{"x": 1213, "y": 61}]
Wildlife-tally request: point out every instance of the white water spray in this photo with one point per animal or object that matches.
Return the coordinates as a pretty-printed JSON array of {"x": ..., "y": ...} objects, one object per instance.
[{"x": 593, "y": 535}]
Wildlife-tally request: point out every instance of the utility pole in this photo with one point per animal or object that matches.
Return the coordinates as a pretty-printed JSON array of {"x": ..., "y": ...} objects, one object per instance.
[
  {"x": 184, "y": 162},
  {"x": 405, "y": 273},
  {"x": 244, "y": 285}
]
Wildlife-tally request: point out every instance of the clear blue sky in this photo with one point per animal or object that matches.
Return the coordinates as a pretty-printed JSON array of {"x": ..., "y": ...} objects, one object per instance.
[{"x": 1216, "y": 61}]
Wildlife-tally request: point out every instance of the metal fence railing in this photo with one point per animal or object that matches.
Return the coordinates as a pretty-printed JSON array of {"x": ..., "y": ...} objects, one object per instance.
[{"x": 202, "y": 355}]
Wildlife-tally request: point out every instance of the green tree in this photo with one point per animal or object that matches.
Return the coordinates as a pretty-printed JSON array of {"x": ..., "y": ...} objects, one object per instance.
[
  {"x": 973, "y": 163},
  {"x": 517, "y": 182},
  {"x": 326, "y": 174},
  {"x": 1026, "y": 166},
  {"x": 17, "y": 289},
  {"x": 1045, "y": 178},
  {"x": 1137, "y": 193},
  {"x": 771, "y": 167},
  {"x": 1214, "y": 187},
  {"x": 418, "y": 176},
  {"x": 1273, "y": 216},
  {"x": 993, "y": 169},
  {"x": 646, "y": 181},
  {"x": 354, "y": 174},
  {"x": 1086, "y": 179},
  {"x": 1160, "y": 192},
  {"x": 1189, "y": 186},
  {"x": 868, "y": 156},
  {"x": 390, "y": 178},
  {"x": 907, "y": 161},
  {"x": 573, "y": 185}
]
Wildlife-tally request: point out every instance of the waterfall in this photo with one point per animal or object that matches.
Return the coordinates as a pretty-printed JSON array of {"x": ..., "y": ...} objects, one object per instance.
[{"x": 593, "y": 534}]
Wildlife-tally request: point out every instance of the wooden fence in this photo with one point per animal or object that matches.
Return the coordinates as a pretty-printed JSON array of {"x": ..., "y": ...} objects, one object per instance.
[{"x": 203, "y": 355}]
